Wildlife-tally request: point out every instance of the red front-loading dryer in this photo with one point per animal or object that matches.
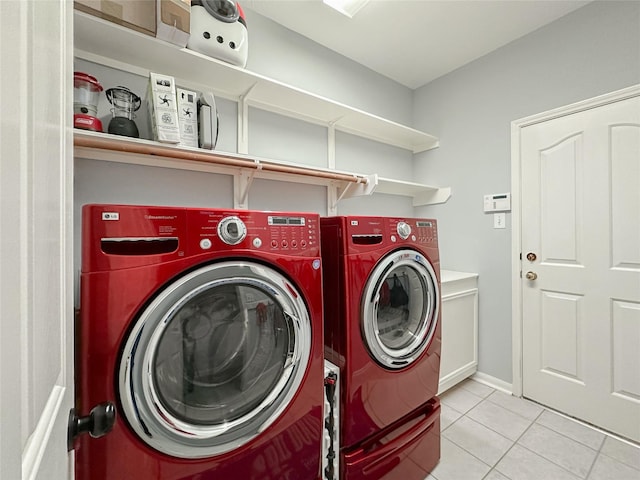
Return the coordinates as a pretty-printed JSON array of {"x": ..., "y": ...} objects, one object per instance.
[
  {"x": 382, "y": 328},
  {"x": 201, "y": 329}
]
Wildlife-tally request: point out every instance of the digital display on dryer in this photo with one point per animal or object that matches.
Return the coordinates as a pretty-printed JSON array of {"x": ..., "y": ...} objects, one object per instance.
[{"x": 286, "y": 221}]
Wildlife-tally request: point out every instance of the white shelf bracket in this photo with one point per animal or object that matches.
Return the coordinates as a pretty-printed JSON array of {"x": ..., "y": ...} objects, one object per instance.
[
  {"x": 242, "y": 184},
  {"x": 243, "y": 120},
  {"x": 441, "y": 195},
  {"x": 332, "y": 198},
  {"x": 364, "y": 186}
]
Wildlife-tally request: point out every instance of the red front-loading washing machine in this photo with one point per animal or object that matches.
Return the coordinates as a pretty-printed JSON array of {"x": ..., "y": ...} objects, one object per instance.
[
  {"x": 201, "y": 329},
  {"x": 382, "y": 328}
]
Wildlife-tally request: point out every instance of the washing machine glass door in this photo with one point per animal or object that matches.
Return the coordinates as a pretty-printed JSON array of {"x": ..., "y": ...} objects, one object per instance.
[
  {"x": 214, "y": 359},
  {"x": 400, "y": 307}
]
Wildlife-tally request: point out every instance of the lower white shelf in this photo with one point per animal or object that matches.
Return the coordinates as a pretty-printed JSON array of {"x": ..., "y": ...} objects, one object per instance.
[
  {"x": 459, "y": 356},
  {"x": 244, "y": 168}
]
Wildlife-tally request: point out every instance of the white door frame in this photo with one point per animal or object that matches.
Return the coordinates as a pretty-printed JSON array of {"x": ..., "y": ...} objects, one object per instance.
[{"x": 516, "y": 240}]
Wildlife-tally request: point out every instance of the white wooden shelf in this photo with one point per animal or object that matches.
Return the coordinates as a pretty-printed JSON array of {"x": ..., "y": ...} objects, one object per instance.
[
  {"x": 244, "y": 168},
  {"x": 106, "y": 43},
  {"x": 109, "y": 44}
]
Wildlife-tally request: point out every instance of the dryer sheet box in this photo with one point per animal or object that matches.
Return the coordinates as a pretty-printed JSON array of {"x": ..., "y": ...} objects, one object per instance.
[
  {"x": 188, "y": 117},
  {"x": 163, "y": 109}
]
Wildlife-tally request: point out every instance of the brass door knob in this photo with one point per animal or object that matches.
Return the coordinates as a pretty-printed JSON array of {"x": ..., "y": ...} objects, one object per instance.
[{"x": 531, "y": 275}]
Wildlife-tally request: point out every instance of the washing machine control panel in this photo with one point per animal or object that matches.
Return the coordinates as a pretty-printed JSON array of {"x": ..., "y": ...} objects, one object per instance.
[{"x": 289, "y": 234}]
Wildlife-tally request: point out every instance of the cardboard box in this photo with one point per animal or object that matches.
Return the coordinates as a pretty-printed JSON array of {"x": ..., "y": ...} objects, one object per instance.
[
  {"x": 163, "y": 110},
  {"x": 188, "y": 117},
  {"x": 139, "y": 15},
  {"x": 174, "y": 21}
]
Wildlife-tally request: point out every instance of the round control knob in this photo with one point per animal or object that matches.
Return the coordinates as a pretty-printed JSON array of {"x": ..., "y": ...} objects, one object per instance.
[
  {"x": 232, "y": 230},
  {"x": 404, "y": 230}
]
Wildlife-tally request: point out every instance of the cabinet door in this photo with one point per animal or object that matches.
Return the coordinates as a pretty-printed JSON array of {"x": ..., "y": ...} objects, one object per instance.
[{"x": 36, "y": 304}]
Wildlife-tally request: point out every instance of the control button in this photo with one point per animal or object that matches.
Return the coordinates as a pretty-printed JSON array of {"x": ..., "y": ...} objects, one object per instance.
[
  {"x": 205, "y": 244},
  {"x": 393, "y": 238},
  {"x": 303, "y": 243},
  {"x": 274, "y": 244},
  {"x": 285, "y": 244},
  {"x": 294, "y": 244},
  {"x": 257, "y": 243},
  {"x": 413, "y": 237}
]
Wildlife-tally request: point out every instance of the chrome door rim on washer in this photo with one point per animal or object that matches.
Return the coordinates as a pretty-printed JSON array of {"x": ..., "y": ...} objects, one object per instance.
[
  {"x": 158, "y": 427},
  {"x": 402, "y": 357}
]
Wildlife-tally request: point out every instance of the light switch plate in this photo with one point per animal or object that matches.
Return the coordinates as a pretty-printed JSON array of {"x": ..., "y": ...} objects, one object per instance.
[{"x": 499, "y": 220}]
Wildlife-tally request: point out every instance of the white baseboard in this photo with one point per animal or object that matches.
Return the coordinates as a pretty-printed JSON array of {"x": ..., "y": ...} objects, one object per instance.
[
  {"x": 493, "y": 382},
  {"x": 456, "y": 377}
]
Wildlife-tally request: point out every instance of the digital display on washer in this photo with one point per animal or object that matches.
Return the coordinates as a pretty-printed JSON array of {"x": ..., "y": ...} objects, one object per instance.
[
  {"x": 424, "y": 224},
  {"x": 286, "y": 220}
]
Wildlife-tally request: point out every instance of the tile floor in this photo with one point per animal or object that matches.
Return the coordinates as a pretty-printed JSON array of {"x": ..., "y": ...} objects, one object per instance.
[{"x": 489, "y": 435}]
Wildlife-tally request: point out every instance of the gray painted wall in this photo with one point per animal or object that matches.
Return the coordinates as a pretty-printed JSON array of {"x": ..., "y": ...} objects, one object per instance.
[
  {"x": 281, "y": 54},
  {"x": 589, "y": 52}
]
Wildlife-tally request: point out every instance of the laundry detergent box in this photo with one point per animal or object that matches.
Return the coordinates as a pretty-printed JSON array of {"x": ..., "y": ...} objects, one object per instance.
[
  {"x": 163, "y": 108},
  {"x": 188, "y": 117}
]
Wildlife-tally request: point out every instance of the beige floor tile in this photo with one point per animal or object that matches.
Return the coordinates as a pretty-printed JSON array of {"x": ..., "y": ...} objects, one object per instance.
[
  {"x": 457, "y": 464},
  {"x": 478, "y": 440},
  {"x": 499, "y": 419},
  {"x": 572, "y": 429},
  {"x": 606, "y": 468},
  {"x": 477, "y": 388},
  {"x": 522, "y": 464},
  {"x": 622, "y": 451},
  {"x": 522, "y": 407},
  {"x": 563, "y": 451},
  {"x": 495, "y": 475},
  {"x": 448, "y": 415},
  {"x": 460, "y": 399}
]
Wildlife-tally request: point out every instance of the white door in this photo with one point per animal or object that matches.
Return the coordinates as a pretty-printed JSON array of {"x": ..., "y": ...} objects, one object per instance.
[
  {"x": 36, "y": 295},
  {"x": 580, "y": 187}
]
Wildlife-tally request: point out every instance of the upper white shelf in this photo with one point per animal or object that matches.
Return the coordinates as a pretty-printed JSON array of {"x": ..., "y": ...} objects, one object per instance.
[{"x": 104, "y": 42}]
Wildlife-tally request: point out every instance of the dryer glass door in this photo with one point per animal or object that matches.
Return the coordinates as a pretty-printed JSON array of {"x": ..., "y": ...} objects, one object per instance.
[
  {"x": 214, "y": 359},
  {"x": 400, "y": 308}
]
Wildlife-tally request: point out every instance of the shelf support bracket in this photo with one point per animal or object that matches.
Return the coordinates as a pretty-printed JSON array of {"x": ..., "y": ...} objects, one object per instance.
[
  {"x": 242, "y": 184},
  {"x": 243, "y": 120},
  {"x": 363, "y": 184}
]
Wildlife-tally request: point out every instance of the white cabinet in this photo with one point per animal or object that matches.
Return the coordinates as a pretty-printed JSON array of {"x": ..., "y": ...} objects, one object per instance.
[
  {"x": 108, "y": 44},
  {"x": 459, "y": 357}
]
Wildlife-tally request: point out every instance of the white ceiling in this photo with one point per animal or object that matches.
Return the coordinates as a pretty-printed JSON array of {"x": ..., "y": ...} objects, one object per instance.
[{"x": 415, "y": 41}]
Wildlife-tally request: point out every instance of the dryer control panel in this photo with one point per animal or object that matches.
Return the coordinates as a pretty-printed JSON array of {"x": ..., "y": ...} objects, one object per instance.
[{"x": 372, "y": 230}]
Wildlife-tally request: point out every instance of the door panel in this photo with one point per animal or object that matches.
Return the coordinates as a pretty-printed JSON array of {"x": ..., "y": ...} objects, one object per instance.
[
  {"x": 36, "y": 368},
  {"x": 581, "y": 296}
]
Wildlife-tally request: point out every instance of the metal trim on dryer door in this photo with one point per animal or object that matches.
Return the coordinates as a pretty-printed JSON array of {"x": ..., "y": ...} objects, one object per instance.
[
  {"x": 200, "y": 351},
  {"x": 398, "y": 324}
]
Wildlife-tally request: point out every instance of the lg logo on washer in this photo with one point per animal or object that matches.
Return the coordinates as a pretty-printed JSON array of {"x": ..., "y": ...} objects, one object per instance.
[{"x": 110, "y": 216}]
